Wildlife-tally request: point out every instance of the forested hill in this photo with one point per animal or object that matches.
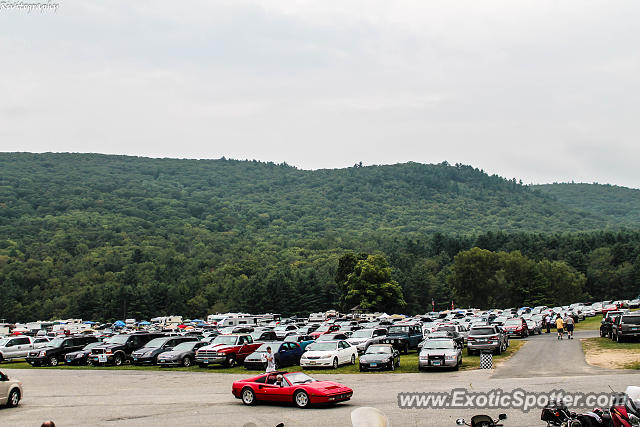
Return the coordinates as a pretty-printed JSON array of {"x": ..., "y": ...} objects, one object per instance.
[
  {"x": 106, "y": 237},
  {"x": 620, "y": 204},
  {"x": 277, "y": 200}
]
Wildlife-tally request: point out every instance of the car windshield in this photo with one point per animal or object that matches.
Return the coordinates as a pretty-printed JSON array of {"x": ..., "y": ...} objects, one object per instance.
[
  {"x": 263, "y": 347},
  {"x": 4, "y": 341},
  {"x": 57, "y": 342},
  {"x": 398, "y": 330},
  {"x": 447, "y": 328},
  {"x": 378, "y": 349},
  {"x": 438, "y": 344},
  {"x": 322, "y": 346},
  {"x": 280, "y": 328},
  {"x": 513, "y": 322},
  {"x": 299, "y": 378},
  {"x": 156, "y": 343},
  {"x": 224, "y": 339},
  {"x": 363, "y": 333},
  {"x": 322, "y": 329},
  {"x": 631, "y": 320},
  {"x": 118, "y": 339},
  {"x": 185, "y": 346}
]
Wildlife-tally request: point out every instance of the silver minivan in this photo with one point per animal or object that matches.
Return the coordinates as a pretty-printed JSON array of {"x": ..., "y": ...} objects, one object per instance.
[{"x": 15, "y": 347}]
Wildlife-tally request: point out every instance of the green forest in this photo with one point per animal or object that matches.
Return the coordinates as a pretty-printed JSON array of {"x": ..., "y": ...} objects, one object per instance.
[{"x": 106, "y": 237}]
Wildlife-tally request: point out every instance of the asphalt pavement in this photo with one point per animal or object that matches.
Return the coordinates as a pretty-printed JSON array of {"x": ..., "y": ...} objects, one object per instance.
[{"x": 170, "y": 398}]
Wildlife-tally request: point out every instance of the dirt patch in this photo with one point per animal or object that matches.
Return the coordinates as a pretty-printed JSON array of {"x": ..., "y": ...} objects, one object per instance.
[{"x": 611, "y": 358}]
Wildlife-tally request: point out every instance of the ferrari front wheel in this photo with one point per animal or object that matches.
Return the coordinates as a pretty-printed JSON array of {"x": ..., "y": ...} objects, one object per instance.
[
  {"x": 248, "y": 397},
  {"x": 301, "y": 399}
]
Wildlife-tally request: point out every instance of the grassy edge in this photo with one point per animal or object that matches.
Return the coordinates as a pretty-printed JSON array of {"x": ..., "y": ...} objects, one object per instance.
[
  {"x": 408, "y": 364},
  {"x": 598, "y": 344}
]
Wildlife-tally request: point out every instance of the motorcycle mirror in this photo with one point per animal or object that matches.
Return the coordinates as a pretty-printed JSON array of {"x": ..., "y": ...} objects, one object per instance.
[
  {"x": 460, "y": 421},
  {"x": 502, "y": 416}
]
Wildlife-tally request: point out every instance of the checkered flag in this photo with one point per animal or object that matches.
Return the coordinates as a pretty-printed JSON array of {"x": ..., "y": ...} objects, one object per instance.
[{"x": 486, "y": 360}]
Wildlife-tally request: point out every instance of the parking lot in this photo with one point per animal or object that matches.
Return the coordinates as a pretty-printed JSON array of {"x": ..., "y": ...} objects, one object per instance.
[{"x": 137, "y": 398}]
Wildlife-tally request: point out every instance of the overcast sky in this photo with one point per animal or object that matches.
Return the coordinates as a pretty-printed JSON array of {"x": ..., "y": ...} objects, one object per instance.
[{"x": 539, "y": 90}]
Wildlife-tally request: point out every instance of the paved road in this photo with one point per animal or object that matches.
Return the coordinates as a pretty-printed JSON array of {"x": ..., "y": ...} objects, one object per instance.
[
  {"x": 142, "y": 398},
  {"x": 546, "y": 356}
]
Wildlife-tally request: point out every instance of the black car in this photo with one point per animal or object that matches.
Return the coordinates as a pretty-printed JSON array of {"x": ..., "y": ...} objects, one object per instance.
[
  {"x": 380, "y": 356},
  {"x": 182, "y": 355},
  {"x": 117, "y": 350},
  {"x": 626, "y": 326},
  {"x": 459, "y": 339},
  {"x": 55, "y": 352},
  {"x": 332, "y": 337},
  {"x": 148, "y": 355},
  {"x": 263, "y": 336},
  {"x": 80, "y": 357},
  {"x": 404, "y": 336}
]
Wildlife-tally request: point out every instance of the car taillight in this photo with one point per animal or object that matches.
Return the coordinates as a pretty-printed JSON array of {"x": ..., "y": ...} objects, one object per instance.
[
  {"x": 494, "y": 337},
  {"x": 471, "y": 339},
  {"x": 108, "y": 352}
]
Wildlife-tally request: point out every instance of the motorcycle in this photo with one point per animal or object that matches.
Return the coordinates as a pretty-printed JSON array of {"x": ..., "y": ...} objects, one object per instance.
[
  {"x": 626, "y": 412},
  {"x": 482, "y": 421}
]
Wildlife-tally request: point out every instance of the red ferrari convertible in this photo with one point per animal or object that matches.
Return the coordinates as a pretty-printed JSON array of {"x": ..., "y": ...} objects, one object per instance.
[{"x": 296, "y": 387}]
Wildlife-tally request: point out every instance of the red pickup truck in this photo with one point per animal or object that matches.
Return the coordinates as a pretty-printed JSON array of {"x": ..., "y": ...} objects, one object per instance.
[{"x": 226, "y": 350}]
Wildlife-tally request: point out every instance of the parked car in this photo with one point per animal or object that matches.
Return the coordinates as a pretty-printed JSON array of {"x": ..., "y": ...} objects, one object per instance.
[
  {"x": 461, "y": 330},
  {"x": 363, "y": 338},
  {"x": 10, "y": 391},
  {"x": 182, "y": 354},
  {"x": 57, "y": 349},
  {"x": 448, "y": 334},
  {"x": 380, "y": 356},
  {"x": 264, "y": 336},
  {"x": 440, "y": 353},
  {"x": 486, "y": 338},
  {"x": 324, "y": 329},
  {"x": 226, "y": 350},
  {"x": 404, "y": 336},
  {"x": 285, "y": 354},
  {"x": 118, "y": 348},
  {"x": 534, "y": 327},
  {"x": 16, "y": 347},
  {"x": 148, "y": 355},
  {"x": 516, "y": 326},
  {"x": 333, "y": 336},
  {"x": 626, "y": 327},
  {"x": 296, "y": 387},
  {"x": 282, "y": 331},
  {"x": 607, "y": 322},
  {"x": 328, "y": 354},
  {"x": 80, "y": 357},
  {"x": 302, "y": 340},
  {"x": 39, "y": 342}
]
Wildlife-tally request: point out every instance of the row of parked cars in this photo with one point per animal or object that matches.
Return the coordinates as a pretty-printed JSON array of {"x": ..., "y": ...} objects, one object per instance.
[{"x": 620, "y": 325}]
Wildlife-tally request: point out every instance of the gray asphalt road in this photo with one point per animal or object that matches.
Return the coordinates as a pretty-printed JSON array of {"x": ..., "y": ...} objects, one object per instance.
[
  {"x": 546, "y": 356},
  {"x": 139, "y": 398}
]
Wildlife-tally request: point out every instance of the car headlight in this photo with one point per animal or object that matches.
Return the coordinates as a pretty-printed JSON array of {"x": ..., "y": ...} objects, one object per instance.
[
  {"x": 451, "y": 357},
  {"x": 79, "y": 355},
  {"x": 148, "y": 353},
  {"x": 42, "y": 354},
  {"x": 326, "y": 356}
]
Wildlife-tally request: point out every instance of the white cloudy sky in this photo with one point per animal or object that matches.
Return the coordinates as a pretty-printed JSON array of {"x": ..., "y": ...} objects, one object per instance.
[{"x": 539, "y": 90}]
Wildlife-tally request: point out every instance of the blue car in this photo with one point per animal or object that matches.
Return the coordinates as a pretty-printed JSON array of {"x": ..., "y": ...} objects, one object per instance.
[
  {"x": 286, "y": 354},
  {"x": 303, "y": 340}
]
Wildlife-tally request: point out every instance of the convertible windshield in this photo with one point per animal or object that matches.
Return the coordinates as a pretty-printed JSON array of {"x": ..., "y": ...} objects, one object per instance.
[
  {"x": 438, "y": 344},
  {"x": 363, "y": 333},
  {"x": 322, "y": 346},
  {"x": 299, "y": 378},
  {"x": 378, "y": 349},
  {"x": 225, "y": 339},
  {"x": 118, "y": 339}
]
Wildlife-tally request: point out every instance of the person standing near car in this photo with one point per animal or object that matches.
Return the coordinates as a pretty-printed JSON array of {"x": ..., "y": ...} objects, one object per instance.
[
  {"x": 270, "y": 359},
  {"x": 568, "y": 323},
  {"x": 547, "y": 320},
  {"x": 560, "y": 326}
]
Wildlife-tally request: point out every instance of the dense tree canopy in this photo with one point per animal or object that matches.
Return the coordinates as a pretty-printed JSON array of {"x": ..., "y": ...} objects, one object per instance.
[{"x": 107, "y": 237}]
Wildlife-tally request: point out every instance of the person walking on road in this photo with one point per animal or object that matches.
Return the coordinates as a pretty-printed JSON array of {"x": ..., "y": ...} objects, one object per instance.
[
  {"x": 560, "y": 326},
  {"x": 270, "y": 359},
  {"x": 547, "y": 320},
  {"x": 568, "y": 324}
]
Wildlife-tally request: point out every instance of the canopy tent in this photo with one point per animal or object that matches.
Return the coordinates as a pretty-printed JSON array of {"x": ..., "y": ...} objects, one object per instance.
[
  {"x": 144, "y": 323},
  {"x": 89, "y": 322},
  {"x": 119, "y": 323}
]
